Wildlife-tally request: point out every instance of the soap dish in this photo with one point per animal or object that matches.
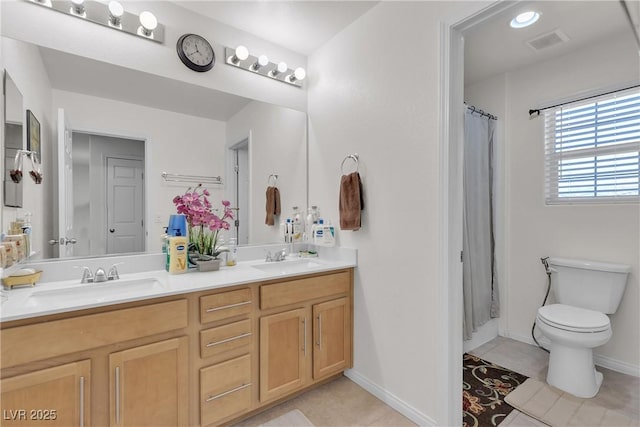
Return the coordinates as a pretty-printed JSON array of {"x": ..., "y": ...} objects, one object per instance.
[{"x": 22, "y": 279}]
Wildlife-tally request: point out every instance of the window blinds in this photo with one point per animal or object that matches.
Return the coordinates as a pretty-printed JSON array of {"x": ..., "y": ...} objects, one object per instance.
[{"x": 592, "y": 149}]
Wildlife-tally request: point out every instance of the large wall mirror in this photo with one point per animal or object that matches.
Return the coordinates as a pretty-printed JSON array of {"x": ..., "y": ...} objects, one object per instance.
[
  {"x": 122, "y": 128},
  {"x": 13, "y": 125}
]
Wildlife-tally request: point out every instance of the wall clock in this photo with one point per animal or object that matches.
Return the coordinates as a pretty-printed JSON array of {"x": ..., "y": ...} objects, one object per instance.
[{"x": 195, "y": 52}]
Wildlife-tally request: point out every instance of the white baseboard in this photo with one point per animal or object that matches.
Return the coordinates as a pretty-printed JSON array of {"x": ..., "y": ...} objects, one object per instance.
[
  {"x": 598, "y": 359},
  {"x": 390, "y": 399}
]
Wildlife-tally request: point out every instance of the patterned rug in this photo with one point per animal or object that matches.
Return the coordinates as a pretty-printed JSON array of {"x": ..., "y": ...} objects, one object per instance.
[{"x": 484, "y": 387}]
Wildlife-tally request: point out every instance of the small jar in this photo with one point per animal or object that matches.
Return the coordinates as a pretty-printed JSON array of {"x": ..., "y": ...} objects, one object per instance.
[{"x": 232, "y": 254}]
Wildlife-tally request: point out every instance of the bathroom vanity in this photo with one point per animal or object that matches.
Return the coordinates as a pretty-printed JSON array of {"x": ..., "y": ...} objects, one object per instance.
[{"x": 186, "y": 353}]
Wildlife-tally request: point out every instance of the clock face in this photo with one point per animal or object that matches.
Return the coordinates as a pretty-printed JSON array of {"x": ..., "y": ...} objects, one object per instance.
[{"x": 196, "y": 52}]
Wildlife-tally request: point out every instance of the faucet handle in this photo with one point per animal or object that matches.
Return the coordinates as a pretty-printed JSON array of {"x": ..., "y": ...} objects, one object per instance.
[
  {"x": 269, "y": 258},
  {"x": 87, "y": 275},
  {"x": 113, "y": 271}
]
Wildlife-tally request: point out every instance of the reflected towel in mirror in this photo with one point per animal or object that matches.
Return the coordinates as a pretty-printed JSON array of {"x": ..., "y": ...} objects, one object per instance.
[{"x": 273, "y": 205}]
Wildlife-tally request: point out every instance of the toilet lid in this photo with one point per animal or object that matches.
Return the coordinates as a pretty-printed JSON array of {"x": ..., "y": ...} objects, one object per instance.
[{"x": 573, "y": 318}]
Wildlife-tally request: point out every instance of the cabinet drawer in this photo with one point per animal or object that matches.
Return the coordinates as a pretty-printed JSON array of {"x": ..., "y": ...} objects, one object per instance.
[
  {"x": 29, "y": 343},
  {"x": 225, "y": 338},
  {"x": 225, "y": 389},
  {"x": 224, "y": 305},
  {"x": 296, "y": 291}
]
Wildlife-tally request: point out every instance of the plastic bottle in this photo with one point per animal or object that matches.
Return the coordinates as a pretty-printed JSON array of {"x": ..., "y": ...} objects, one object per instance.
[
  {"x": 232, "y": 255},
  {"x": 298, "y": 225},
  {"x": 318, "y": 232},
  {"x": 26, "y": 230},
  {"x": 177, "y": 255},
  {"x": 164, "y": 238},
  {"x": 310, "y": 221},
  {"x": 328, "y": 235}
]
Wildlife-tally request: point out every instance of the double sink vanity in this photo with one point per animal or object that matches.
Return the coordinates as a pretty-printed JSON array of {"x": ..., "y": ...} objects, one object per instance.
[{"x": 192, "y": 349}]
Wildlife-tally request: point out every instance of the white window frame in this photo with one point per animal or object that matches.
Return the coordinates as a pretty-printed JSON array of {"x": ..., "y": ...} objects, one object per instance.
[{"x": 599, "y": 137}]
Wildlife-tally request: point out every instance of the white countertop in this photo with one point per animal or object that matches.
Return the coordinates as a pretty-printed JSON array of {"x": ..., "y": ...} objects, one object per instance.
[{"x": 69, "y": 295}]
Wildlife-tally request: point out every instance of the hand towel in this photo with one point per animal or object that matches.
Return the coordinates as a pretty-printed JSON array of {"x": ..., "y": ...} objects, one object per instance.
[
  {"x": 273, "y": 205},
  {"x": 351, "y": 201}
]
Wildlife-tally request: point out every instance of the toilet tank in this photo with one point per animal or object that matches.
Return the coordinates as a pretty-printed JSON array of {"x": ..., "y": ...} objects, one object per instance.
[{"x": 588, "y": 284}]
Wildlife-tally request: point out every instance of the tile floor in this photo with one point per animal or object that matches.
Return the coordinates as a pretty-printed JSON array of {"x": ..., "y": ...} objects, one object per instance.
[
  {"x": 344, "y": 403},
  {"x": 338, "y": 403},
  {"x": 618, "y": 392}
]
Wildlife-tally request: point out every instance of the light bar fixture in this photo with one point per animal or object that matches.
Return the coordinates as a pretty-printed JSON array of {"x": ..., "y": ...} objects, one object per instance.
[
  {"x": 110, "y": 15},
  {"x": 241, "y": 58}
]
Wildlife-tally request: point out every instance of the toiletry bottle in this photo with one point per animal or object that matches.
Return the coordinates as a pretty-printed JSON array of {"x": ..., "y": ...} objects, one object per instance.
[
  {"x": 232, "y": 255},
  {"x": 328, "y": 235},
  {"x": 177, "y": 255},
  {"x": 26, "y": 230},
  {"x": 298, "y": 225},
  {"x": 317, "y": 232},
  {"x": 164, "y": 238},
  {"x": 310, "y": 221}
]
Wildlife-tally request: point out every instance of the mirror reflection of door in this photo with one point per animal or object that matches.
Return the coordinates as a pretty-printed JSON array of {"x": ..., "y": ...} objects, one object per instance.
[
  {"x": 108, "y": 189},
  {"x": 240, "y": 184},
  {"x": 13, "y": 119},
  {"x": 65, "y": 240},
  {"x": 125, "y": 220}
]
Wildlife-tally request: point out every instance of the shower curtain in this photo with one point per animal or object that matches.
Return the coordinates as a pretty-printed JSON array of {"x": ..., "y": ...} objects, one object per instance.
[{"x": 480, "y": 286}]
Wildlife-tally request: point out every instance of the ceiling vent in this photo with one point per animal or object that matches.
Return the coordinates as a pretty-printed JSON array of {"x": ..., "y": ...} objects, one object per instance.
[{"x": 547, "y": 40}]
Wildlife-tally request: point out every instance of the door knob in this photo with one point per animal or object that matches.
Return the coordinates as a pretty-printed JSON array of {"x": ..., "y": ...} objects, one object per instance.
[
  {"x": 112, "y": 230},
  {"x": 53, "y": 242},
  {"x": 71, "y": 241}
]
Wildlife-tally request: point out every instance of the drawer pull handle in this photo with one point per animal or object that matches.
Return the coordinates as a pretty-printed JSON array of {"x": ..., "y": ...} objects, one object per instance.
[
  {"x": 117, "y": 395},
  {"x": 81, "y": 401},
  {"x": 224, "y": 307},
  {"x": 218, "y": 396},
  {"x": 213, "y": 344}
]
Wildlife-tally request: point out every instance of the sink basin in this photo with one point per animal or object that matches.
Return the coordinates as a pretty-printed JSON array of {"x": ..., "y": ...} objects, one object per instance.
[
  {"x": 288, "y": 267},
  {"x": 94, "y": 292}
]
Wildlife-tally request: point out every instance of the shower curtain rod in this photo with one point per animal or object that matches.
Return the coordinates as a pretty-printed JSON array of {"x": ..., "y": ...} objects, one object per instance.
[
  {"x": 537, "y": 111},
  {"x": 481, "y": 112}
]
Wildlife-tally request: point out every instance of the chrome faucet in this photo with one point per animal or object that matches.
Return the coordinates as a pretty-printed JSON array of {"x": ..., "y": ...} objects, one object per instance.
[
  {"x": 87, "y": 275},
  {"x": 100, "y": 276},
  {"x": 113, "y": 272},
  {"x": 278, "y": 256}
]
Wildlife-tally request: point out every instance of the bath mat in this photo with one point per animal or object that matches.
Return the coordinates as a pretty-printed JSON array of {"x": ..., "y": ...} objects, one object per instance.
[
  {"x": 293, "y": 418},
  {"x": 484, "y": 388},
  {"x": 558, "y": 409}
]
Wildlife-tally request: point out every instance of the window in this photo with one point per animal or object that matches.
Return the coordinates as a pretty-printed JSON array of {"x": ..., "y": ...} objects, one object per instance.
[{"x": 592, "y": 149}]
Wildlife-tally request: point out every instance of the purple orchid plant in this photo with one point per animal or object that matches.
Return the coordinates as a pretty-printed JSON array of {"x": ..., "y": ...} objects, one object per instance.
[{"x": 203, "y": 224}]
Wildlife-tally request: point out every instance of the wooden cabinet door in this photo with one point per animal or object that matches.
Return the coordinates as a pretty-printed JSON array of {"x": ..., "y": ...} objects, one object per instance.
[
  {"x": 148, "y": 385},
  {"x": 283, "y": 351},
  {"x": 57, "y": 396},
  {"x": 331, "y": 337}
]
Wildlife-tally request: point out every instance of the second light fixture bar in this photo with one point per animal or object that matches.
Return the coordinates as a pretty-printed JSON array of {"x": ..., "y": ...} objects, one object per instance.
[{"x": 240, "y": 58}]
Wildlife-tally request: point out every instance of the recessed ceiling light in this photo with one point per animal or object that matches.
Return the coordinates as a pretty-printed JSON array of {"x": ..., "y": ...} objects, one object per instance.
[{"x": 525, "y": 19}]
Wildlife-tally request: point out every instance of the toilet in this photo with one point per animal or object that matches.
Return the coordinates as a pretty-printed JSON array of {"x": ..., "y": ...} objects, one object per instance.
[{"x": 585, "y": 292}]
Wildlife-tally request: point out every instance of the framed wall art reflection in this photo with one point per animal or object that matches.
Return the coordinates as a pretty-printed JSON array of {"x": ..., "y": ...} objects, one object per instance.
[{"x": 33, "y": 134}]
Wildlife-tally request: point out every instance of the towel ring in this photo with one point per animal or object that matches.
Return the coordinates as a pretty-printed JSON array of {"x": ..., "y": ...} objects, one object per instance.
[
  {"x": 275, "y": 179},
  {"x": 353, "y": 157}
]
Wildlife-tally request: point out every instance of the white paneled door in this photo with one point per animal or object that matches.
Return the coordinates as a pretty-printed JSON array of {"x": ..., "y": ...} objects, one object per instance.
[
  {"x": 125, "y": 205},
  {"x": 65, "y": 238}
]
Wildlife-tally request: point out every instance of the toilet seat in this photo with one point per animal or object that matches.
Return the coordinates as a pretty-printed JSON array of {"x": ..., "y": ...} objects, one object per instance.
[{"x": 573, "y": 319}]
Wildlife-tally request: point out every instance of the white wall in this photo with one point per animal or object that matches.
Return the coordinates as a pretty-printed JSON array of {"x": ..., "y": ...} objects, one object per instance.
[
  {"x": 175, "y": 143},
  {"x": 24, "y": 64},
  {"x": 607, "y": 232},
  {"x": 25, "y": 21},
  {"x": 374, "y": 89},
  {"x": 277, "y": 146}
]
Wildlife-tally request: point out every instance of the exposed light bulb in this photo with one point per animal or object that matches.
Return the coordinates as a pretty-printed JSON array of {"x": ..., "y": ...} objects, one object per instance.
[
  {"x": 77, "y": 7},
  {"x": 525, "y": 19},
  {"x": 116, "y": 10},
  {"x": 148, "y": 22},
  {"x": 242, "y": 53},
  {"x": 282, "y": 67},
  {"x": 262, "y": 61},
  {"x": 300, "y": 73}
]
